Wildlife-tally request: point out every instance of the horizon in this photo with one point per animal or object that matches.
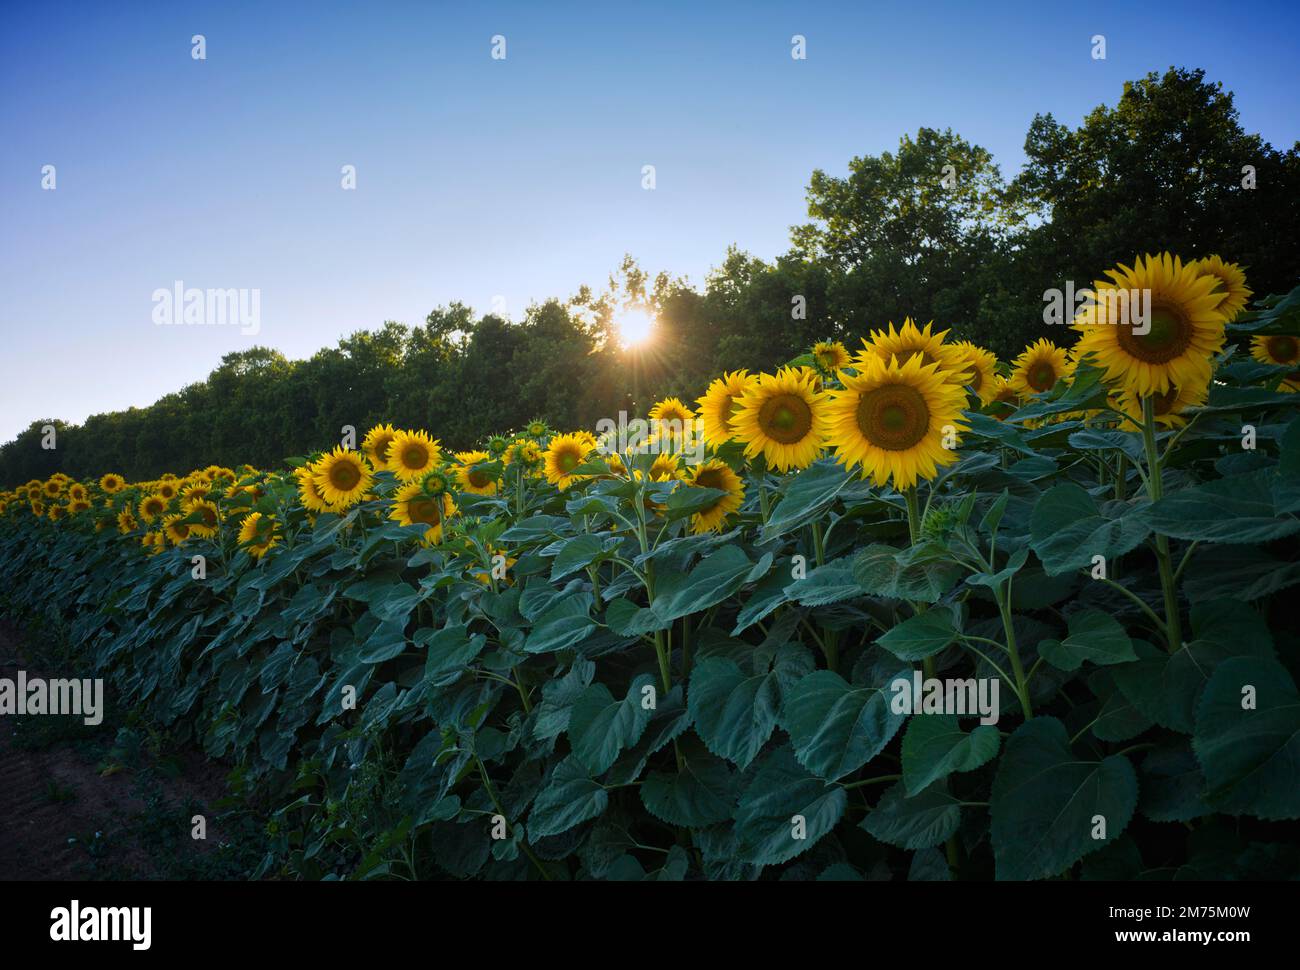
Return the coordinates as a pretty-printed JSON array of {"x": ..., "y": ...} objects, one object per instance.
[{"x": 537, "y": 192}]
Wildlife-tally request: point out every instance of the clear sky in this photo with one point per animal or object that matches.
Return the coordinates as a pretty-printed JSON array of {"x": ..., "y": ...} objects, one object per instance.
[{"x": 479, "y": 177}]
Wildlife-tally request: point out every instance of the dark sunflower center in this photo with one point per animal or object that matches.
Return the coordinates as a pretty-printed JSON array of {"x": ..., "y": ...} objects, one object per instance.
[
  {"x": 344, "y": 476},
  {"x": 785, "y": 418},
  {"x": 1164, "y": 403},
  {"x": 567, "y": 461},
  {"x": 209, "y": 516},
  {"x": 710, "y": 478},
  {"x": 1042, "y": 376},
  {"x": 424, "y": 510},
  {"x": 894, "y": 417},
  {"x": 1168, "y": 336},
  {"x": 1283, "y": 349},
  {"x": 478, "y": 479},
  {"x": 381, "y": 448},
  {"x": 415, "y": 456}
]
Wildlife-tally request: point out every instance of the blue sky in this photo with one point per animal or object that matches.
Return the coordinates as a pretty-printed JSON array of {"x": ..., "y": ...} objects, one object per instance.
[{"x": 479, "y": 177}]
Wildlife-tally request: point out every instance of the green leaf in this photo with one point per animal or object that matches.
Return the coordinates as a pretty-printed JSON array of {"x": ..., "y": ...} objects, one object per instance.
[
  {"x": 1172, "y": 785},
  {"x": 571, "y": 798},
  {"x": 918, "y": 822},
  {"x": 733, "y": 714},
  {"x": 935, "y": 746},
  {"x": 806, "y": 496},
  {"x": 923, "y": 572},
  {"x": 563, "y": 625},
  {"x": 713, "y": 579},
  {"x": 702, "y": 793},
  {"x": 600, "y": 726},
  {"x": 1045, "y": 800},
  {"x": 385, "y": 642},
  {"x": 836, "y": 728},
  {"x": 826, "y": 584},
  {"x": 1248, "y": 739},
  {"x": 580, "y": 552},
  {"x": 920, "y": 636},
  {"x": 1094, "y": 636},
  {"x": 1231, "y": 510},
  {"x": 1066, "y": 530},
  {"x": 766, "y": 815},
  {"x": 448, "y": 649}
]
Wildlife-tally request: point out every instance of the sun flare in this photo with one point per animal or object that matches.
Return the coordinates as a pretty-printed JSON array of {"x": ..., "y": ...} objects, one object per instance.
[{"x": 635, "y": 327}]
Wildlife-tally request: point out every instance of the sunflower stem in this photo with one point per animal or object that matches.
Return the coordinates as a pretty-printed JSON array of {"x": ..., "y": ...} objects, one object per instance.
[{"x": 1155, "y": 491}]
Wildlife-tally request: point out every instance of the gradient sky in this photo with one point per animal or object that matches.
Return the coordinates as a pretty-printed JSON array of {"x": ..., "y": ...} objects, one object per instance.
[{"x": 478, "y": 177}]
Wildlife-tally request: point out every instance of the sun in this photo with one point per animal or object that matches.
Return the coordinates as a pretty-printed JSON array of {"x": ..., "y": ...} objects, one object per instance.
[{"x": 635, "y": 327}]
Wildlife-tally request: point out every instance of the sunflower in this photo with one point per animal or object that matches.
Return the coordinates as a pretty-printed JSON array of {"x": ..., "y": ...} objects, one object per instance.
[
  {"x": 523, "y": 452},
  {"x": 58, "y": 513},
  {"x": 376, "y": 443},
  {"x": 126, "y": 522},
  {"x": 38, "y": 508},
  {"x": 53, "y": 488},
  {"x": 1038, "y": 368},
  {"x": 831, "y": 355},
  {"x": 77, "y": 492},
  {"x": 979, "y": 370},
  {"x": 1229, "y": 285},
  {"x": 195, "y": 493},
  {"x": 257, "y": 534},
  {"x": 411, "y": 454},
  {"x": 343, "y": 477},
  {"x": 715, "y": 473},
  {"x": 907, "y": 342},
  {"x": 154, "y": 542},
  {"x": 112, "y": 483},
  {"x": 1167, "y": 406},
  {"x": 537, "y": 428},
  {"x": 565, "y": 453},
  {"x": 469, "y": 478},
  {"x": 1283, "y": 350},
  {"x": 210, "y": 518},
  {"x": 783, "y": 418},
  {"x": 308, "y": 493},
  {"x": 152, "y": 506},
  {"x": 664, "y": 468},
  {"x": 891, "y": 420},
  {"x": 672, "y": 409},
  {"x": 79, "y": 505},
  {"x": 719, "y": 403},
  {"x": 1184, "y": 326},
  {"x": 175, "y": 529},
  {"x": 167, "y": 488},
  {"x": 497, "y": 445},
  {"x": 411, "y": 506}
]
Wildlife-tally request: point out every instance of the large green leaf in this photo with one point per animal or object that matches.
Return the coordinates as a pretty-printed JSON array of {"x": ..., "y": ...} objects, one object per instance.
[
  {"x": 920, "y": 636},
  {"x": 836, "y": 728},
  {"x": 1046, "y": 802},
  {"x": 713, "y": 579},
  {"x": 600, "y": 726},
  {"x": 571, "y": 798},
  {"x": 1094, "y": 636},
  {"x": 1248, "y": 739},
  {"x": 935, "y": 746},
  {"x": 563, "y": 625},
  {"x": 1239, "y": 509},
  {"x": 1066, "y": 529},
  {"x": 806, "y": 496},
  {"x": 918, "y": 822},
  {"x": 703, "y": 792},
  {"x": 732, "y": 713},
  {"x": 922, "y": 572},
  {"x": 782, "y": 803}
]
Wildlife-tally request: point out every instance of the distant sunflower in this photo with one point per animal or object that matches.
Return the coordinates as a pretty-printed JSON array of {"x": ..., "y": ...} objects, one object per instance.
[
  {"x": 412, "y": 454},
  {"x": 154, "y": 542},
  {"x": 58, "y": 513},
  {"x": 258, "y": 534},
  {"x": 565, "y": 453},
  {"x": 1168, "y": 406},
  {"x": 112, "y": 483},
  {"x": 1229, "y": 285},
  {"x": 537, "y": 428},
  {"x": 891, "y": 420},
  {"x": 665, "y": 468},
  {"x": 1282, "y": 350},
  {"x": 979, "y": 369},
  {"x": 411, "y": 506},
  {"x": 77, "y": 492},
  {"x": 497, "y": 445},
  {"x": 79, "y": 505},
  {"x": 195, "y": 493},
  {"x": 831, "y": 355},
  {"x": 907, "y": 342},
  {"x": 175, "y": 529},
  {"x": 1184, "y": 329},
  {"x": 209, "y": 517},
  {"x": 126, "y": 522},
  {"x": 782, "y": 417},
  {"x": 167, "y": 488},
  {"x": 470, "y": 478},
  {"x": 524, "y": 452},
  {"x": 53, "y": 488},
  {"x": 343, "y": 477},
  {"x": 151, "y": 507},
  {"x": 719, "y": 404},
  {"x": 308, "y": 492},
  {"x": 1038, "y": 368},
  {"x": 671, "y": 409},
  {"x": 716, "y": 473},
  {"x": 375, "y": 445},
  {"x": 38, "y": 508}
]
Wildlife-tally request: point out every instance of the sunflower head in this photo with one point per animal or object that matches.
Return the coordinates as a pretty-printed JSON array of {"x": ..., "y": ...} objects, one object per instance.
[
  {"x": 907, "y": 342},
  {"x": 208, "y": 518},
  {"x": 470, "y": 478},
  {"x": 830, "y": 355},
  {"x": 1229, "y": 285},
  {"x": 1282, "y": 350},
  {"x": 1038, "y": 368},
  {"x": 537, "y": 429},
  {"x": 412, "y": 454},
  {"x": 896, "y": 421},
  {"x": 719, "y": 404},
  {"x": 77, "y": 492},
  {"x": 258, "y": 534},
  {"x": 782, "y": 417},
  {"x": 565, "y": 453},
  {"x": 175, "y": 528},
  {"x": 716, "y": 473},
  {"x": 411, "y": 506},
  {"x": 313, "y": 500},
  {"x": 376, "y": 442},
  {"x": 343, "y": 477},
  {"x": 1152, "y": 325},
  {"x": 112, "y": 483},
  {"x": 1167, "y": 406},
  {"x": 977, "y": 369},
  {"x": 126, "y": 522},
  {"x": 436, "y": 483},
  {"x": 497, "y": 445}
]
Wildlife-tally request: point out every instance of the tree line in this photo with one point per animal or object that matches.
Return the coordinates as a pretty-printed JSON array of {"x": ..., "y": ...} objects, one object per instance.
[{"x": 932, "y": 231}]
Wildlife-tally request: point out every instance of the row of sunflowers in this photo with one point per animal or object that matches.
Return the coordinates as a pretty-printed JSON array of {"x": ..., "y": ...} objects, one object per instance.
[{"x": 575, "y": 658}]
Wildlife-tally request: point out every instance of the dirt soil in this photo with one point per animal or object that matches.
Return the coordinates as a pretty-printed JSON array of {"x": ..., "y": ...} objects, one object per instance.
[{"x": 54, "y": 801}]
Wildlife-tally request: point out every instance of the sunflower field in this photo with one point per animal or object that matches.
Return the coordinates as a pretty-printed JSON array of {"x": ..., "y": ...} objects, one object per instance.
[{"x": 567, "y": 655}]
